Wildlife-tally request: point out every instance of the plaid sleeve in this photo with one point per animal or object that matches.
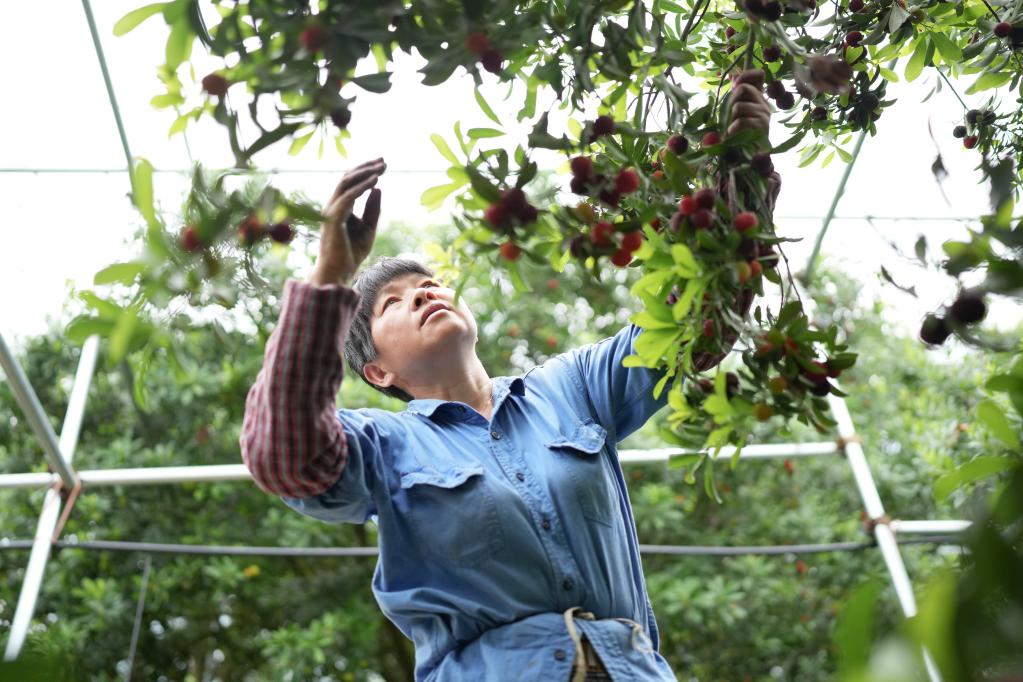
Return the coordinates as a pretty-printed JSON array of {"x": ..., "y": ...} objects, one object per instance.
[{"x": 291, "y": 440}]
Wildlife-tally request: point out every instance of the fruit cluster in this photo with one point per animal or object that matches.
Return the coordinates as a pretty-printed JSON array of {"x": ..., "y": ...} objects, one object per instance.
[
  {"x": 968, "y": 309},
  {"x": 609, "y": 191},
  {"x": 978, "y": 120},
  {"x": 478, "y": 43},
  {"x": 250, "y": 231},
  {"x": 782, "y": 97}
]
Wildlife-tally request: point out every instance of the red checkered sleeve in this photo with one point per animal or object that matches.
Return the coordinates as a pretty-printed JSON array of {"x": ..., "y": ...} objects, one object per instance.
[{"x": 291, "y": 440}]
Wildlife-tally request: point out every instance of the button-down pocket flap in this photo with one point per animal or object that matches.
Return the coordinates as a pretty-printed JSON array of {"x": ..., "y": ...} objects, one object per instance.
[
  {"x": 442, "y": 479},
  {"x": 588, "y": 437}
]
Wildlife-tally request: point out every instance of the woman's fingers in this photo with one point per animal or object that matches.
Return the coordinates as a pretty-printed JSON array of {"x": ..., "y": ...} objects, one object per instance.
[
  {"x": 371, "y": 214},
  {"x": 358, "y": 174},
  {"x": 741, "y": 109}
]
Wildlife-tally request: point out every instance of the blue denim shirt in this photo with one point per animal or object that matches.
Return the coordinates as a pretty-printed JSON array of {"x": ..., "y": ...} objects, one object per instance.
[{"x": 488, "y": 532}]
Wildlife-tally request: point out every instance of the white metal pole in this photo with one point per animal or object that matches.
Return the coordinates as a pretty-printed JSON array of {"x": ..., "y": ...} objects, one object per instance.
[
  {"x": 760, "y": 451},
  {"x": 926, "y": 527},
  {"x": 51, "y": 503},
  {"x": 33, "y": 410}
]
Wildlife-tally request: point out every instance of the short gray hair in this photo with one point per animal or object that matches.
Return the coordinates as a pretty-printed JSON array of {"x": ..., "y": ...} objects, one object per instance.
[{"x": 359, "y": 346}]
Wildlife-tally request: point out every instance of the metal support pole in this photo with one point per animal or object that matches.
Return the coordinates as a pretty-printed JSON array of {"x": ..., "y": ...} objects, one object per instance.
[
  {"x": 760, "y": 451},
  {"x": 33, "y": 410},
  {"x": 51, "y": 503},
  {"x": 106, "y": 80}
]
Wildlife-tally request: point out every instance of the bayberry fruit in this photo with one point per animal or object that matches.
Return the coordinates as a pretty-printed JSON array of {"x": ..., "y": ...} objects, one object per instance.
[
  {"x": 611, "y": 197},
  {"x": 763, "y": 412},
  {"x": 687, "y": 205},
  {"x": 972, "y": 116},
  {"x": 496, "y": 214},
  {"x": 745, "y": 221},
  {"x": 817, "y": 372},
  {"x": 708, "y": 328},
  {"x": 701, "y": 219},
  {"x": 1003, "y": 29},
  {"x": 855, "y": 5},
  {"x": 215, "y": 84},
  {"x": 577, "y": 247},
  {"x": 853, "y": 38},
  {"x": 251, "y": 230},
  {"x": 579, "y": 185},
  {"x": 743, "y": 271},
  {"x": 970, "y": 142},
  {"x": 604, "y": 125},
  {"x": 282, "y": 233},
  {"x": 959, "y": 131},
  {"x": 341, "y": 118},
  {"x": 632, "y": 240},
  {"x": 731, "y": 384},
  {"x": 761, "y": 164},
  {"x": 774, "y": 89},
  {"x": 778, "y": 385},
  {"x": 477, "y": 42},
  {"x": 621, "y": 258},
  {"x": 756, "y": 269},
  {"x": 785, "y": 100},
  {"x": 492, "y": 61},
  {"x": 313, "y": 38},
  {"x": 627, "y": 181},
  {"x": 704, "y": 198},
  {"x": 934, "y": 330},
  {"x": 729, "y": 31},
  {"x": 510, "y": 251},
  {"x": 678, "y": 144},
  {"x": 772, "y": 10},
  {"x": 772, "y": 53},
  {"x": 710, "y": 138},
  {"x": 819, "y": 114},
  {"x": 656, "y": 224},
  {"x": 968, "y": 309},
  {"x": 822, "y": 389},
  {"x": 190, "y": 239},
  {"x": 582, "y": 166},
  {"x": 600, "y": 233},
  {"x": 748, "y": 249}
]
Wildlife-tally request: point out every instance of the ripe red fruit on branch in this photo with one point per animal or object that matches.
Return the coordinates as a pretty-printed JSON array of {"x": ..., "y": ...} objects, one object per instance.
[
  {"x": 621, "y": 258},
  {"x": 761, "y": 164},
  {"x": 604, "y": 125},
  {"x": 755, "y": 269},
  {"x": 496, "y": 214},
  {"x": 492, "y": 61},
  {"x": 774, "y": 89},
  {"x": 313, "y": 38},
  {"x": 819, "y": 113},
  {"x": 934, "y": 330},
  {"x": 341, "y": 118},
  {"x": 743, "y": 271},
  {"x": 853, "y": 38},
  {"x": 968, "y": 309},
  {"x": 600, "y": 233},
  {"x": 785, "y": 100},
  {"x": 704, "y": 198},
  {"x": 729, "y": 31},
  {"x": 1003, "y": 29},
  {"x": 970, "y": 142},
  {"x": 632, "y": 240},
  {"x": 678, "y": 144},
  {"x": 772, "y": 53},
  {"x": 582, "y": 166},
  {"x": 855, "y": 5},
  {"x": 745, "y": 221},
  {"x": 701, "y": 219},
  {"x": 477, "y": 42},
  {"x": 708, "y": 328},
  {"x": 251, "y": 230},
  {"x": 710, "y": 138},
  {"x": 282, "y": 233},
  {"x": 215, "y": 84},
  {"x": 817, "y": 372},
  {"x": 190, "y": 239},
  {"x": 510, "y": 251},
  {"x": 687, "y": 205},
  {"x": 627, "y": 181}
]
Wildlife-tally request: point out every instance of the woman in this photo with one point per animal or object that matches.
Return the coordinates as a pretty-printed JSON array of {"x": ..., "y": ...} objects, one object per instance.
[{"x": 508, "y": 549}]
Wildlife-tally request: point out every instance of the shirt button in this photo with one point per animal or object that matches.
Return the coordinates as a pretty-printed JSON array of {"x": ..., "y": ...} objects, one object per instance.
[
  {"x": 495, "y": 435},
  {"x": 546, "y": 525},
  {"x": 567, "y": 584},
  {"x": 559, "y": 655},
  {"x": 519, "y": 475}
]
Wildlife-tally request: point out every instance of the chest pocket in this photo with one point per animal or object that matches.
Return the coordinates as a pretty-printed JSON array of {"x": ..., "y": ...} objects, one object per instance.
[
  {"x": 582, "y": 448},
  {"x": 454, "y": 514}
]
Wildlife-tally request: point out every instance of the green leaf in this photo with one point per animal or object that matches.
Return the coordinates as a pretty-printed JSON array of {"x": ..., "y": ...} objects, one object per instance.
[
  {"x": 653, "y": 344},
  {"x": 125, "y": 273},
  {"x": 83, "y": 326},
  {"x": 142, "y": 189},
  {"x": 683, "y": 257},
  {"x": 135, "y": 17},
  {"x": 915, "y": 66},
  {"x": 299, "y": 142},
  {"x": 435, "y": 196},
  {"x": 486, "y": 107},
  {"x": 948, "y": 50},
  {"x": 124, "y": 328},
  {"x": 444, "y": 149},
  {"x": 974, "y": 470},
  {"x": 992, "y": 416},
  {"x": 374, "y": 82},
  {"x": 479, "y": 133},
  {"x": 179, "y": 44},
  {"x": 270, "y": 137},
  {"x": 990, "y": 79},
  {"x": 855, "y": 628}
]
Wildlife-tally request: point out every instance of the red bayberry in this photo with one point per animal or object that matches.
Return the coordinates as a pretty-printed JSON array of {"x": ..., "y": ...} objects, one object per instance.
[
  {"x": 743, "y": 271},
  {"x": 604, "y": 125},
  {"x": 968, "y": 309},
  {"x": 772, "y": 53},
  {"x": 745, "y": 221},
  {"x": 656, "y": 224},
  {"x": 678, "y": 144},
  {"x": 701, "y": 219},
  {"x": 801, "y": 567},
  {"x": 729, "y": 31},
  {"x": 492, "y": 61},
  {"x": 215, "y": 84},
  {"x": 611, "y": 197},
  {"x": 553, "y": 284},
  {"x": 819, "y": 113},
  {"x": 341, "y": 118},
  {"x": 959, "y": 131},
  {"x": 687, "y": 205},
  {"x": 710, "y": 138},
  {"x": 496, "y": 214},
  {"x": 833, "y": 372},
  {"x": 582, "y": 166},
  {"x": 313, "y": 38},
  {"x": 704, "y": 198},
  {"x": 756, "y": 269},
  {"x": 621, "y": 258},
  {"x": 510, "y": 251},
  {"x": 817, "y": 372},
  {"x": 853, "y": 38},
  {"x": 785, "y": 100},
  {"x": 763, "y": 412},
  {"x": 1003, "y": 29},
  {"x": 855, "y": 5},
  {"x": 477, "y": 42},
  {"x": 657, "y": 175},
  {"x": 632, "y": 240},
  {"x": 282, "y": 233},
  {"x": 600, "y": 233},
  {"x": 934, "y": 330},
  {"x": 251, "y": 230},
  {"x": 627, "y": 181},
  {"x": 791, "y": 347},
  {"x": 790, "y": 468},
  {"x": 761, "y": 164},
  {"x": 778, "y": 385},
  {"x": 190, "y": 239},
  {"x": 708, "y": 328},
  {"x": 970, "y": 142}
]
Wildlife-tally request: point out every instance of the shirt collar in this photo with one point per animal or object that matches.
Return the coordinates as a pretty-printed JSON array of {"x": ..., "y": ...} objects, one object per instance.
[{"x": 502, "y": 387}]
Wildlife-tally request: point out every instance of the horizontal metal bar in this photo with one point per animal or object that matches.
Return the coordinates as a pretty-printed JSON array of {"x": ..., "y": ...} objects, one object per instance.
[
  {"x": 188, "y": 171},
  {"x": 33, "y": 411},
  {"x": 925, "y": 527},
  {"x": 243, "y": 550},
  {"x": 763, "y": 451}
]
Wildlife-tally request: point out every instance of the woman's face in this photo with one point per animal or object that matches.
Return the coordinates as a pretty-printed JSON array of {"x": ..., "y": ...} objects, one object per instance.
[{"x": 418, "y": 331}]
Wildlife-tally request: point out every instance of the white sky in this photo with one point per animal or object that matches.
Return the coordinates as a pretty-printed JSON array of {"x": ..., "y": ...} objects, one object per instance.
[{"x": 63, "y": 227}]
